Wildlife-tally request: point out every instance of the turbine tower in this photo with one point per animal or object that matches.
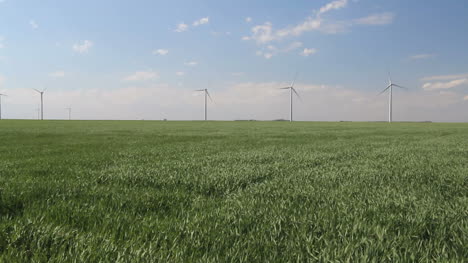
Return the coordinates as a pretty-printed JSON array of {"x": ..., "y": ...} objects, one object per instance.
[
  {"x": 42, "y": 102},
  {"x": 291, "y": 91},
  {"x": 1, "y": 95},
  {"x": 390, "y": 96},
  {"x": 69, "y": 112},
  {"x": 207, "y": 95}
]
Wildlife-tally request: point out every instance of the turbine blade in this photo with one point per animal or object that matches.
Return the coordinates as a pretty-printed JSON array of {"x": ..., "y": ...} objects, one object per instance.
[
  {"x": 44, "y": 89},
  {"x": 199, "y": 90},
  {"x": 389, "y": 79},
  {"x": 294, "y": 80},
  {"x": 37, "y": 90},
  {"x": 285, "y": 88},
  {"x": 297, "y": 94},
  {"x": 384, "y": 90},
  {"x": 207, "y": 93},
  {"x": 400, "y": 87}
]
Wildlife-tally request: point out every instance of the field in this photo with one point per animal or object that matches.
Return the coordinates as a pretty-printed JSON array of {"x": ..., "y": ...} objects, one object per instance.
[{"x": 142, "y": 191}]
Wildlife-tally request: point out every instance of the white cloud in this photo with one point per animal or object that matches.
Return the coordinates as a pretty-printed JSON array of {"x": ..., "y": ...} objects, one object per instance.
[
  {"x": 333, "y": 6},
  {"x": 268, "y": 55},
  {"x": 57, "y": 74},
  {"x": 293, "y": 46},
  {"x": 33, "y": 24},
  {"x": 191, "y": 63},
  {"x": 445, "y": 85},
  {"x": 248, "y": 19},
  {"x": 376, "y": 19},
  {"x": 245, "y": 38},
  {"x": 265, "y": 33},
  {"x": 270, "y": 50},
  {"x": 201, "y": 21},
  {"x": 308, "y": 51},
  {"x": 142, "y": 76},
  {"x": 83, "y": 47},
  {"x": 445, "y": 77},
  {"x": 180, "y": 73},
  {"x": 421, "y": 56},
  {"x": 161, "y": 52},
  {"x": 181, "y": 27}
]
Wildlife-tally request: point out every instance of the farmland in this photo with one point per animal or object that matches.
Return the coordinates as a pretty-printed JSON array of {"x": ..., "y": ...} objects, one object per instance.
[{"x": 147, "y": 191}]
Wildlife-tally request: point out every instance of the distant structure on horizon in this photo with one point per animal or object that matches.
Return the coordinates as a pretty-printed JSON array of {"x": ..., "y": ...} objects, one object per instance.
[
  {"x": 291, "y": 91},
  {"x": 207, "y": 95},
  {"x": 42, "y": 102},
  {"x": 390, "y": 98},
  {"x": 1, "y": 95}
]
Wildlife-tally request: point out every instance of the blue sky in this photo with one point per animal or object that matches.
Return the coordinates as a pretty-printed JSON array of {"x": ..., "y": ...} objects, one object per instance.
[{"x": 143, "y": 59}]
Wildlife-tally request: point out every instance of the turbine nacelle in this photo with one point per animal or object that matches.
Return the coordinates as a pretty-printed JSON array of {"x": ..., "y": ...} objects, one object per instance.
[{"x": 40, "y": 92}]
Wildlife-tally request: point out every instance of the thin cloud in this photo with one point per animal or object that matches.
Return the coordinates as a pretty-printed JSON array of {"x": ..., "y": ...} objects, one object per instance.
[
  {"x": 265, "y": 33},
  {"x": 33, "y": 24},
  {"x": 142, "y": 76},
  {"x": 191, "y": 63},
  {"x": 201, "y": 21},
  {"x": 57, "y": 74},
  {"x": 333, "y": 6},
  {"x": 445, "y": 85},
  {"x": 421, "y": 56},
  {"x": 83, "y": 47},
  {"x": 271, "y": 51},
  {"x": 308, "y": 51},
  {"x": 445, "y": 77},
  {"x": 180, "y": 73},
  {"x": 376, "y": 19},
  {"x": 161, "y": 52},
  {"x": 181, "y": 27},
  {"x": 248, "y": 19}
]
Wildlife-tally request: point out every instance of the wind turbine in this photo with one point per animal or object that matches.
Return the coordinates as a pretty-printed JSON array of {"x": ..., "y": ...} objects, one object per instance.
[
  {"x": 207, "y": 94},
  {"x": 291, "y": 91},
  {"x": 42, "y": 102},
  {"x": 390, "y": 98},
  {"x": 69, "y": 112},
  {"x": 1, "y": 104}
]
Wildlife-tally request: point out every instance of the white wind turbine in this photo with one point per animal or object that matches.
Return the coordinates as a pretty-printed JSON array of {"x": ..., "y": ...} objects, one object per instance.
[
  {"x": 291, "y": 91},
  {"x": 69, "y": 112},
  {"x": 207, "y": 95},
  {"x": 1, "y": 95},
  {"x": 42, "y": 102},
  {"x": 390, "y": 98}
]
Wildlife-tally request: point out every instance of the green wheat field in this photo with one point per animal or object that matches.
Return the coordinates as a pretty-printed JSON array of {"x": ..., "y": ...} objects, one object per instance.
[{"x": 153, "y": 191}]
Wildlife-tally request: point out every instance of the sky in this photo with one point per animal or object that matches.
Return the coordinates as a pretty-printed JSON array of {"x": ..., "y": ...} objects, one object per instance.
[{"x": 142, "y": 59}]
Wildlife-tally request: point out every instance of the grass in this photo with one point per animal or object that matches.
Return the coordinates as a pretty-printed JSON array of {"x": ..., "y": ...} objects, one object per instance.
[{"x": 141, "y": 191}]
